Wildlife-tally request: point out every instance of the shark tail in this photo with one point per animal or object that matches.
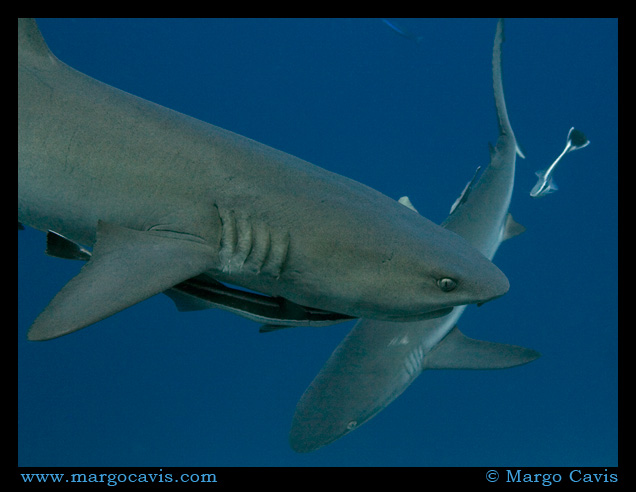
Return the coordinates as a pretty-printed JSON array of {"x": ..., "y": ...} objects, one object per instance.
[{"x": 505, "y": 128}]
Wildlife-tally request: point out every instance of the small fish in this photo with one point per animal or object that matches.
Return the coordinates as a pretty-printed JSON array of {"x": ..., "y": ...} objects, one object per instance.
[
  {"x": 405, "y": 33},
  {"x": 203, "y": 292},
  {"x": 545, "y": 184}
]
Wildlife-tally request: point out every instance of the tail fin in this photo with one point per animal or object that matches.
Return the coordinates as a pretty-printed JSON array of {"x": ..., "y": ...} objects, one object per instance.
[{"x": 497, "y": 80}]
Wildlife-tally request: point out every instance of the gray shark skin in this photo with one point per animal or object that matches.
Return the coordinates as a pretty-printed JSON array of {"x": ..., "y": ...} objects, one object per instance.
[
  {"x": 378, "y": 360},
  {"x": 162, "y": 198}
]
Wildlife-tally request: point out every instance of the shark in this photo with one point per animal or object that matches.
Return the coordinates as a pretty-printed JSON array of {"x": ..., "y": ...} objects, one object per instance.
[
  {"x": 378, "y": 359},
  {"x": 160, "y": 198}
]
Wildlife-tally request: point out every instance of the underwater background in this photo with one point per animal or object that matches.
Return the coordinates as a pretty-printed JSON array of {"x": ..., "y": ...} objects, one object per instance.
[{"x": 154, "y": 387}]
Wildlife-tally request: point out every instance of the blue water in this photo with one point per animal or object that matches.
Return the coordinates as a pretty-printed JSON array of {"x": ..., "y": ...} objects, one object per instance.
[{"x": 151, "y": 386}]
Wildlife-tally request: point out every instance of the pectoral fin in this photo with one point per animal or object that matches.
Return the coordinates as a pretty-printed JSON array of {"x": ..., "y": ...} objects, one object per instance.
[
  {"x": 457, "y": 351},
  {"x": 126, "y": 267},
  {"x": 511, "y": 228}
]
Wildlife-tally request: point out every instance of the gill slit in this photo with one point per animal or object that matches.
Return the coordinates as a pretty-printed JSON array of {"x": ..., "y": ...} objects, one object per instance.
[{"x": 251, "y": 246}]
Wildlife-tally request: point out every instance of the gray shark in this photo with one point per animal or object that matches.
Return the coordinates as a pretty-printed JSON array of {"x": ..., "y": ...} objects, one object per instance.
[
  {"x": 378, "y": 360},
  {"x": 161, "y": 198}
]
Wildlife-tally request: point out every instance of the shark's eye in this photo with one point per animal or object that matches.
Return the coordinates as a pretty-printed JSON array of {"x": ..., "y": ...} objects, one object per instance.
[{"x": 446, "y": 284}]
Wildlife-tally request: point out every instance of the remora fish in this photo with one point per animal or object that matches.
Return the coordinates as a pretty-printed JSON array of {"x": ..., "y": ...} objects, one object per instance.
[
  {"x": 378, "y": 360},
  {"x": 203, "y": 292},
  {"x": 162, "y": 198},
  {"x": 545, "y": 184}
]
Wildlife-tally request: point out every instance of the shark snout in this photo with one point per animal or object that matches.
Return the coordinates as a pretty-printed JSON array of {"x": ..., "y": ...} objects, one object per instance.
[
  {"x": 480, "y": 284},
  {"x": 490, "y": 284},
  {"x": 473, "y": 280},
  {"x": 464, "y": 274}
]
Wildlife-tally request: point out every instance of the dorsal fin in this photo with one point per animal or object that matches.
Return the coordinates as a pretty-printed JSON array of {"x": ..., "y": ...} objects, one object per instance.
[
  {"x": 31, "y": 43},
  {"x": 406, "y": 201}
]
